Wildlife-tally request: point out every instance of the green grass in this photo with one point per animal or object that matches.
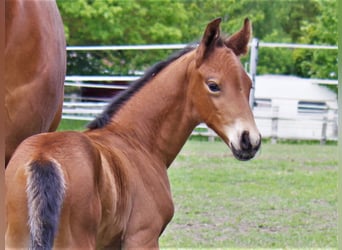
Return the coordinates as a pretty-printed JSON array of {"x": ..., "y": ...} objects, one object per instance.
[
  {"x": 285, "y": 198},
  {"x": 66, "y": 124}
]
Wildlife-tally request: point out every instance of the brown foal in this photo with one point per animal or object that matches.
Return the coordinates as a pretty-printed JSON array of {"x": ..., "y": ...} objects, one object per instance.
[{"x": 107, "y": 187}]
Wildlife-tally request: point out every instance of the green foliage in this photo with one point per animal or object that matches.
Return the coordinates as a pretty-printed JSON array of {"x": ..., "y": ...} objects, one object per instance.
[
  {"x": 319, "y": 63},
  {"x": 117, "y": 22},
  {"x": 275, "y": 60},
  {"x": 122, "y": 22}
]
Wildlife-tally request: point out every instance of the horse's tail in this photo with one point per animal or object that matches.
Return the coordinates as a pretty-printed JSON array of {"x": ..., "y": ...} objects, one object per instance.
[{"x": 45, "y": 192}]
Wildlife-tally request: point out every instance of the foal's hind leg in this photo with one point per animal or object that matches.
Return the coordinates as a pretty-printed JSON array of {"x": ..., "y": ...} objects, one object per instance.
[
  {"x": 81, "y": 212},
  {"x": 17, "y": 231}
]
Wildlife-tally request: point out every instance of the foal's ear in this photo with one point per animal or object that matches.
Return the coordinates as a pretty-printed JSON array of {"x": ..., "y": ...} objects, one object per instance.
[
  {"x": 210, "y": 37},
  {"x": 238, "y": 42}
]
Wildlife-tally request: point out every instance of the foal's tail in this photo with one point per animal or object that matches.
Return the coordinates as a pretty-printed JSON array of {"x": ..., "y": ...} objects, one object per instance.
[{"x": 45, "y": 192}]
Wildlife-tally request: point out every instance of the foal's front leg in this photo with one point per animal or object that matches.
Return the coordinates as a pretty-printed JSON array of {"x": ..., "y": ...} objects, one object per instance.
[
  {"x": 143, "y": 236},
  {"x": 143, "y": 231},
  {"x": 138, "y": 243}
]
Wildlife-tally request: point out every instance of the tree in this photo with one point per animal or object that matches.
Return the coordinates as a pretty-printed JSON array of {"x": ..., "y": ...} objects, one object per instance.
[
  {"x": 96, "y": 22},
  {"x": 282, "y": 24},
  {"x": 118, "y": 22},
  {"x": 122, "y": 22},
  {"x": 319, "y": 63}
]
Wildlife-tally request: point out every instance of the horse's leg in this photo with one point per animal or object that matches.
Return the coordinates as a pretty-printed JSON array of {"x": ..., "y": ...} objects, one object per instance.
[
  {"x": 144, "y": 229},
  {"x": 17, "y": 231},
  {"x": 81, "y": 212},
  {"x": 137, "y": 242},
  {"x": 151, "y": 212},
  {"x": 78, "y": 225},
  {"x": 8, "y": 153},
  {"x": 56, "y": 120}
]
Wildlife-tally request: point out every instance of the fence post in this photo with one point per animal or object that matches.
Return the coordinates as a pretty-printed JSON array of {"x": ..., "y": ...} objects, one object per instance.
[
  {"x": 335, "y": 124},
  {"x": 324, "y": 130},
  {"x": 274, "y": 124},
  {"x": 211, "y": 136},
  {"x": 253, "y": 68}
]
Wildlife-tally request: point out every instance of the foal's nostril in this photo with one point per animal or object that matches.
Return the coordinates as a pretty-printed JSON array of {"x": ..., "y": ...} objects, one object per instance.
[
  {"x": 248, "y": 147},
  {"x": 245, "y": 141}
]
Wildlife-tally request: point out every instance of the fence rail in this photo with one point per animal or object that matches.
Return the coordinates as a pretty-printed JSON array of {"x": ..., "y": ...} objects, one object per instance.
[
  {"x": 78, "y": 81},
  {"x": 271, "y": 125},
  {"x": 181, "y": 46}
]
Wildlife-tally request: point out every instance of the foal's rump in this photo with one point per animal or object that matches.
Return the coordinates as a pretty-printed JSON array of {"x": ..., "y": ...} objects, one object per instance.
[{"x": 39, "y": 185}]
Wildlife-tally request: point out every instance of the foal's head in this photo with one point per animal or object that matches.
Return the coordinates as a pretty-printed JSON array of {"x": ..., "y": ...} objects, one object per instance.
[{"x": 220, "y": 88}]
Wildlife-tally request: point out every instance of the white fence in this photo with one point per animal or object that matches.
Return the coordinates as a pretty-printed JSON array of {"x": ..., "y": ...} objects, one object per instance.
[
  {"x": 317, "y": 127},
  {"x": 181, "y": 46},
  {"x": 321, "y": 127}
]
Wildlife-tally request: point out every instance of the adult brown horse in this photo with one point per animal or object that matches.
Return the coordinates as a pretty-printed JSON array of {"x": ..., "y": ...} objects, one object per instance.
[
  {"x": 108, "y": 187},
  {"x": 34, "y": 70}
]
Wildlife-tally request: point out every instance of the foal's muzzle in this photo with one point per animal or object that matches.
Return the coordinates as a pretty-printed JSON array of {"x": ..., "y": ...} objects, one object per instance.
[{"x": 246, "y": 150}]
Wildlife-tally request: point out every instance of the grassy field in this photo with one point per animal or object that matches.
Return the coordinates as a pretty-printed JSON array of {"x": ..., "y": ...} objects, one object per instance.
[{"x": 285, "y": 198}]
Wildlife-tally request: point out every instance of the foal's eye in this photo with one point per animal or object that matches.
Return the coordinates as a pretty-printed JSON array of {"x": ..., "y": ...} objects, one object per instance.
[{"x": 213, "y": 86}]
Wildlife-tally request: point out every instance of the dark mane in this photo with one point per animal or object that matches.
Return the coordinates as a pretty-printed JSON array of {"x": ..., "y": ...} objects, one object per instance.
[{"x": 120, "y": 99}]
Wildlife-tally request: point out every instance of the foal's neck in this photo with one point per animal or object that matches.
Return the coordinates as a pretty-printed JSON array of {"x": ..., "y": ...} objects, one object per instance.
[{"x": 159, "y": 116}]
